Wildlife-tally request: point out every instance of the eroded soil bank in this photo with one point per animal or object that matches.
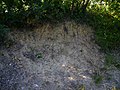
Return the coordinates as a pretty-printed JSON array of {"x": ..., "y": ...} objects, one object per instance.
[{"x": 59, "y": 57}]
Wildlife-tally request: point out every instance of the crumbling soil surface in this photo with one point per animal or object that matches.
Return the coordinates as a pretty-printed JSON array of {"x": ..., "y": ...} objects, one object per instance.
[{"x": 54, "y": 57}]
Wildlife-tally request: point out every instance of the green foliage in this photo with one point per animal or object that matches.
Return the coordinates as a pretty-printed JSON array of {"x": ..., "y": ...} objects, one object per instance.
[
  {"x": 114, "y": 8},
  {"x": 17, "y": 12},
  {"x": 81, "y": 87},
  {"x": 107, "y": 29},
  {"x": 97, "y": 79},
  {"x": 3, "y": 33},
  {"x": 103, "y": 17},
  {"x": 39, "y": 55},
  {"x": 1, "y": 53},
  {"x": 110, "y": 61}
]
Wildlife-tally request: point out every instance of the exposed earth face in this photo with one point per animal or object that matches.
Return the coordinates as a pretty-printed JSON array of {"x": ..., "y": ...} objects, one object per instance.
[{"x": 61, "y": 57}]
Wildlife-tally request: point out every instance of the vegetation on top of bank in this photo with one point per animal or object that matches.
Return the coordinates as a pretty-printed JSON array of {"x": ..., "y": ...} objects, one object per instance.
[{"x": 103, "y": 16}]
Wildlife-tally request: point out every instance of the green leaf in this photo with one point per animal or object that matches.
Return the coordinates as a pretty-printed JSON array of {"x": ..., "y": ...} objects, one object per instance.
[{"x": 39, "y": 55}]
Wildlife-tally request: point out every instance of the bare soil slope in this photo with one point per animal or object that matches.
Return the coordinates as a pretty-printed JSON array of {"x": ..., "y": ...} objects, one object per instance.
[{"x": 59, "y": 57}]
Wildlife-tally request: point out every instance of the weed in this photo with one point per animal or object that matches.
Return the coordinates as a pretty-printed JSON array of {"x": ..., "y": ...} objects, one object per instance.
[
  {"x": 1, "y": 53},
  {"x": 110, "y": 61},
  {"x": 98, "y": 78},
  {"x": 81, "y": 87},
  {"x": 3, "y": 33},
  {"x": 39, "y": 55},
  {"x": 115, "y": 88}
]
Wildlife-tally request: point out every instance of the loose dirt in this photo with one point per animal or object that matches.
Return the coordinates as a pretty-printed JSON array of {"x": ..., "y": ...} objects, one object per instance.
[{"x": 54, "y": 57}]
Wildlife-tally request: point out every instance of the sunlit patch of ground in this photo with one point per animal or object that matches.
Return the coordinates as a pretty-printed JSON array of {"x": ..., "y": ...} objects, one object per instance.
[{"x": 57, "y": 58}]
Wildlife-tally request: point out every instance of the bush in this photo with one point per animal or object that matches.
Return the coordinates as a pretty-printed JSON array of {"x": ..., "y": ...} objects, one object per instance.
[{"x": 107, "y": 29}]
